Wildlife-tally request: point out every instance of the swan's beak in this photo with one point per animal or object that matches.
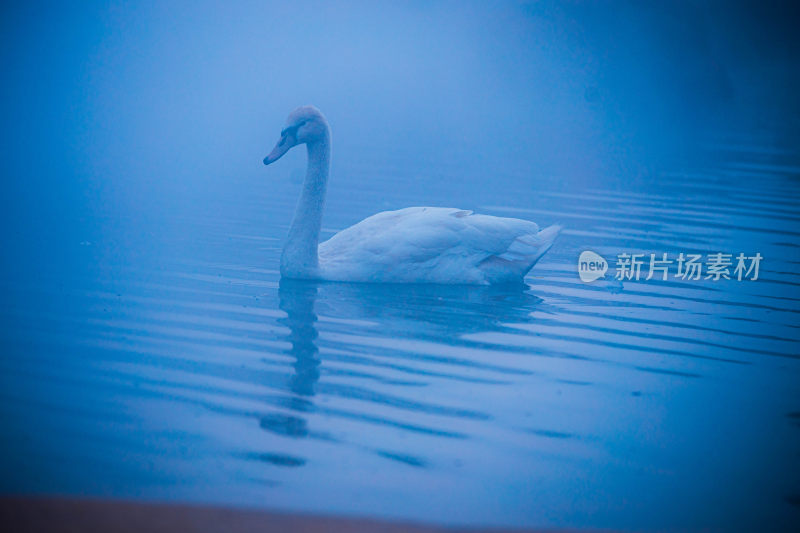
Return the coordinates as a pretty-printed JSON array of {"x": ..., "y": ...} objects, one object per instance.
[{"x": 281, "y": 148}]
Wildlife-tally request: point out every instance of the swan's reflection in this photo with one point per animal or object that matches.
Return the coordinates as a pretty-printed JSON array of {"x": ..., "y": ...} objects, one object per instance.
[
  {"x": 430, "y": 312},
  {"x": 438, "y": 312},
  {"x": 297, "y": 301}
]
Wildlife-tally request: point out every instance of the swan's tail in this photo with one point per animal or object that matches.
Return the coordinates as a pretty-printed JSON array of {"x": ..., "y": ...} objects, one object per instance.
[
  {"x": 528, "y": 249},
  {"x": 521, "y": 256},
  {"x": 546, "y": 238}
]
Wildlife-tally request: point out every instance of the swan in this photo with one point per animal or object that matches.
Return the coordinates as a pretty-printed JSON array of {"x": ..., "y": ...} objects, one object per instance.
[{"x": 413, "y": 245}]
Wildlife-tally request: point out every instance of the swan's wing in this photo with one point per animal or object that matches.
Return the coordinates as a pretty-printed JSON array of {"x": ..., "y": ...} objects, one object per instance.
[{"x": 427, "y": 243}]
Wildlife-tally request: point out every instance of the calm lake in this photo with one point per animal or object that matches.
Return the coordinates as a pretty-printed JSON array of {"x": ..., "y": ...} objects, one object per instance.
[
  {"x": 162, "y": 358},
  {"x": 150, "y": 351}
]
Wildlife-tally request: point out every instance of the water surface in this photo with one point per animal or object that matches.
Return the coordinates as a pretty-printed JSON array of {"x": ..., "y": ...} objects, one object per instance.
[{"x": 173, "y": 363}]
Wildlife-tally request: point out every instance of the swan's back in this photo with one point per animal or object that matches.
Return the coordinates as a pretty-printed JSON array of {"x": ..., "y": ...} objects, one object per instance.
[{"x": 434, "y": 245}]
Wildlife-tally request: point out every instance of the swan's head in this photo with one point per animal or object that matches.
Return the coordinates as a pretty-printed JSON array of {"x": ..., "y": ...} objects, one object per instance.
[{"x": 305, "y": 125}]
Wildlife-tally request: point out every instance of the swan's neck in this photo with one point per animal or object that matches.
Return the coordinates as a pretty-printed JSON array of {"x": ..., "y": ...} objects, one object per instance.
[{"x": 299, "y": 258}]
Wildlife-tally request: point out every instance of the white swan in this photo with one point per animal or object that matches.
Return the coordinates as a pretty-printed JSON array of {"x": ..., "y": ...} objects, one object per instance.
[{"x": 411, "y": 245}]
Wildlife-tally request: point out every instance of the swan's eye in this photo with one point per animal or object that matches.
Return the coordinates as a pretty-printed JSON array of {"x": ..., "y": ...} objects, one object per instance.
[{"x": 292, "y": 129}]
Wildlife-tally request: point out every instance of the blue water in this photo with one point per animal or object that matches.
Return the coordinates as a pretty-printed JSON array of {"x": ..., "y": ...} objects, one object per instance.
[
  {"x": 149, "y": 349},
  {"x": 183, "y": 369}
]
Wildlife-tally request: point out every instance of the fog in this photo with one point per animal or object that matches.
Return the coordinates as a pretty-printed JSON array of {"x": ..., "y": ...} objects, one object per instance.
[
  {"x": 121, "y": 115},
  {"x": 141, "y": 234}
]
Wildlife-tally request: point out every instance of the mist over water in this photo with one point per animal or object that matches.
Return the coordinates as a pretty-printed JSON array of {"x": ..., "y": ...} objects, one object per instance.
[
  {"x": 132, "y": 114},
  {"x": 150, "y": 350}
]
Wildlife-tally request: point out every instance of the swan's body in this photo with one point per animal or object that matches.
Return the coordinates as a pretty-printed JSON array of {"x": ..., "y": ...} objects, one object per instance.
[
  {"x": 433, "y": 245},
  {"x": 412, "y": 245}
]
